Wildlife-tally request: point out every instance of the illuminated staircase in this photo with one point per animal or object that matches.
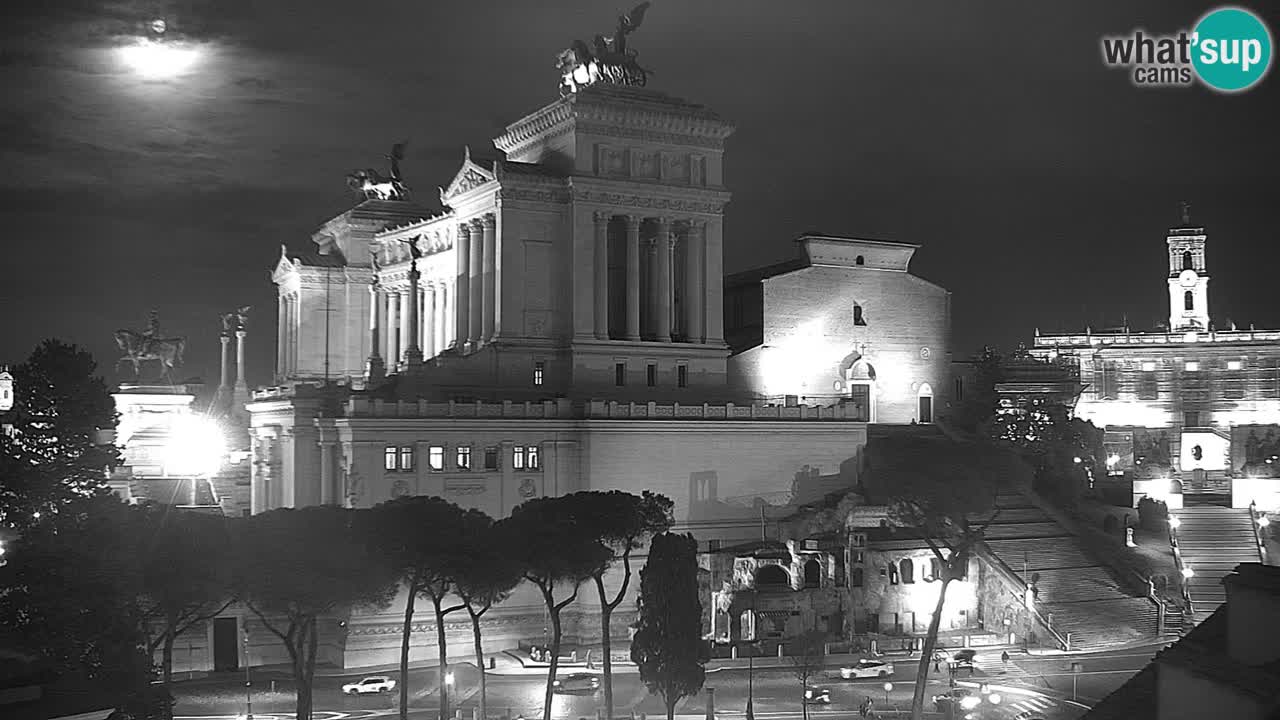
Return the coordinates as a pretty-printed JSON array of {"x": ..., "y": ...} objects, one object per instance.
[{"x": 1213, "y": 541}]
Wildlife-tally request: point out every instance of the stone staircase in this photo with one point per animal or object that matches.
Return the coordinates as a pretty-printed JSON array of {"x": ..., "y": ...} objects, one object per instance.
[
  {"x": 1077, "y": 593},
  {"x": 1213, "y": 541},
  {"x": 1206, "y": 482}
]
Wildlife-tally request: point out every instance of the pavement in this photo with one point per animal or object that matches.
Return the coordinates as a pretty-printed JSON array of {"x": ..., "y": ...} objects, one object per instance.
[{"x": 1042, "y": 683}]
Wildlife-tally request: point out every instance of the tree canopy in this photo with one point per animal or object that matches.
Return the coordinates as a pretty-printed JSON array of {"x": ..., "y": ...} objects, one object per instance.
[
  {"x": 55, "y": 453},
  {"x": 668, "y": 646}
]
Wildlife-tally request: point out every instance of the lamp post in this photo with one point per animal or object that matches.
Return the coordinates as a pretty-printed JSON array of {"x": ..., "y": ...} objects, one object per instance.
[
  {"x": 444, "y": 699},
  {"x": 887, "y": 688},
  {"x": 248, "y": 681}
]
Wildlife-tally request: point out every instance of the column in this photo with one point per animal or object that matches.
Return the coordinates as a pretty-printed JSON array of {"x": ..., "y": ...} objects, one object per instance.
[
  {"x": 281, "y": 336},
  {"x": 490, "y": 315},
  {"x": 429, "y": 320},
  {"x": 224, "y": 385},
  {"x": 406, "y": 318},
  {"x": 475, "y": 283},
  {"x": 327, "y": 472},
  {"x": 374, "y": 369},
  {"x": 602, "y": 276},
  {"x": 633, "y": 277},
  {"x": 714, "y": 278},
  {"x": 462, "y": 251},
  {"x": 393, "y": 328},
  {"x": 388, "y": 328},
  {"x": 413, "y": 318},
  {"x": 242, "y": 386},
  {"x": 693, "y": 290},
  {"x": 293, "y": 335},
  {"x": 662, "y": 284}
]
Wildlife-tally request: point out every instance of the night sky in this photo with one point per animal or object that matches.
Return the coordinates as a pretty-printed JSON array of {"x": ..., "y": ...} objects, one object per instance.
[{"x": 1038, "y": 181}]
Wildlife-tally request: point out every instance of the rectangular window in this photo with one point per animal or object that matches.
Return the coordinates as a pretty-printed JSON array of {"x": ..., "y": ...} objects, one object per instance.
[
  {"x": 1110, "y": 379},
  {"x": 517, "y": 457},
  {"x": 491, "y": 458},
  {"x": 389, "y": 458},
  {"x": 682, "y": 376},
  {"x": 620, "y": 374},
  {"x": 435, "y": 457},
  {"x": 1148, "y": 387},
  {"x": 1192, "y": 366},
  {"x": 531, "y": 459},
  {"x": 959, "y": 390},
  {"x": 1233, "y": 365},
  {"x": 406, "y": 458},
  {"x": 464, "y": 457},
  {"x": 539, "y": 368},
  {"x": 651, "y": 374},
  {"x": 1148, "y": 367}
]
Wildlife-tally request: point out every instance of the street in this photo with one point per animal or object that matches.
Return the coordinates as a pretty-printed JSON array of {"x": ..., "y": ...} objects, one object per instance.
[{"x": 1041, "y": 685}]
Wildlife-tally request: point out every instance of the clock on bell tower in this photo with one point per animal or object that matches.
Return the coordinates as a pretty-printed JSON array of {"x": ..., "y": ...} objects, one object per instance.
[{"x": 1188, "y": 279}]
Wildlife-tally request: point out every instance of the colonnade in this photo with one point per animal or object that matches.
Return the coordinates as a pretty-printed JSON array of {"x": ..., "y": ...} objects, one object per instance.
[
  {"x": 390, "y": 318},
  {"x": 287, "y": 335},
  {"x": 662, "y": 258}
]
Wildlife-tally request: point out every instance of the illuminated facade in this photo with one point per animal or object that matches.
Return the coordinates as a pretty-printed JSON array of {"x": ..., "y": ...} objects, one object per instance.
[
  {"x": 844, "y": 323},
  {"x": 1191, "y": 408},
  {"x": 559, "y": 326}
]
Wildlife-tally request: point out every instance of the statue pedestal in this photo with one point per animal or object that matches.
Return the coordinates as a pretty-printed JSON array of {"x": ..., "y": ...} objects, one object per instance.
[{"x": 374, "y": 369}]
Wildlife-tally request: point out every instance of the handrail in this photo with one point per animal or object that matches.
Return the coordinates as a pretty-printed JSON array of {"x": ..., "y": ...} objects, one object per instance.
[
  {"x": 1177, "y": 556},
  {"x": 1009, "y": 574},
  {"x": 1257, "y": 531}
]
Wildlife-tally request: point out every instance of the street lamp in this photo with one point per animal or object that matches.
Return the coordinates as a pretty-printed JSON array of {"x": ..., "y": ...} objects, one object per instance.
[
  {"x": 444, "y": 696},
  {"x": 1174, "y": 522},
  {"x": 1188, "y": 573},
  {"x": 248, "y": 682},
  {"x": 887, "y": 688}
]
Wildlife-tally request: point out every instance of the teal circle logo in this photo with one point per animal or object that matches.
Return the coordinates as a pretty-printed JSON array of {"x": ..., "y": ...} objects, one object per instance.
[{"x": 1231, "y": 49}]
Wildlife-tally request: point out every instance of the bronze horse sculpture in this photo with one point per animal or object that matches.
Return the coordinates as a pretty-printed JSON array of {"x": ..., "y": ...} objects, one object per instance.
[{"x": 138, "y": 347}]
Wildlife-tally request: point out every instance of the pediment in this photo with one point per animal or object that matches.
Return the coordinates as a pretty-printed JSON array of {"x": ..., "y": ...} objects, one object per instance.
[
  {"x": 284, "y": 266},
  {"x": 469, "y": 177}
]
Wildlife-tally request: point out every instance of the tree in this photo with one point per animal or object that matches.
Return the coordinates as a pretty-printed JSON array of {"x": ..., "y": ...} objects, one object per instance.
[
  {"x": 299, "y": 566},
  {"x": 947, "y": 491},
  {"x": 668, "y": 646},
  {"x": 621, "y": 521},
  {"x": 424, "y": 538},
  {"x": 54, "y": 454},
  {"x": 186, "y": 574},
  {"x": 70, "y": 587},
  {"x": 487, "y": 578},
  {"x": 554, "y": 547},
  {"x": 807, "y": 661}
]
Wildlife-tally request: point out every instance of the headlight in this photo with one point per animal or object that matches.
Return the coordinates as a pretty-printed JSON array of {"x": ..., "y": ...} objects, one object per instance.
[{"x": 555, "y": 683}]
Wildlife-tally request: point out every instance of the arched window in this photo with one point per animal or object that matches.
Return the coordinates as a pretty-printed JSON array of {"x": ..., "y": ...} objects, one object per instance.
[
  {"x": 908, "y": 570},
  {"x": 772, "y": 576},
  {"x": 859, "y": 261},
  {"x": 1188, "y": 301},
  {"x": 1187, "y": 262},
  {"x": 857, "y": 316},
  {"x": 856, "y": 577},
  {"x": 813, "y": 574}
]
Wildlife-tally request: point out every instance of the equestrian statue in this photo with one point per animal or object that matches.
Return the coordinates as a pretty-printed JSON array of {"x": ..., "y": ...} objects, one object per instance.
[
  {"x": 139, "y": 347},
  {"x": 607, "y": 59}
]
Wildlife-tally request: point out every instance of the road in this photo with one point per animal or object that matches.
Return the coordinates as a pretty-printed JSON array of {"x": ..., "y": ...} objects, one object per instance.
[{"x": 1041, "y": 685}]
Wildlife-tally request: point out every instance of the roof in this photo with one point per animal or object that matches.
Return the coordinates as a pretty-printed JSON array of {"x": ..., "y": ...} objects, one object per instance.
[
  {"x": 318, "y": 260},
  {"x": 748, "y": 277}
]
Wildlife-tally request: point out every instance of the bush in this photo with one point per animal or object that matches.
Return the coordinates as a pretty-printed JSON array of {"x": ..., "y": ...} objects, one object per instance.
[{"x": 1152, "y": 514}]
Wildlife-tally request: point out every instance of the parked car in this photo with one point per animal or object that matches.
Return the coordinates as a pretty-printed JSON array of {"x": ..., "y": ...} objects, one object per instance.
[
  {"x": 964, "y": 658},
  {"x": 867, "y": 668},
  {"x": 371, "y": 684},
  {"x": 817, "y": 695},
  {"x": 577, "y": 682}
]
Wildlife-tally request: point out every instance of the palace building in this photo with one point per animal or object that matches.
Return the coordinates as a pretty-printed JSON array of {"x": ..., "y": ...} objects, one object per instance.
[{"x": 1191, "y": 409}]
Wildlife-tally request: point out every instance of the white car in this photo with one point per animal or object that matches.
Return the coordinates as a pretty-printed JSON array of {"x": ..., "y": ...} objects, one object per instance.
[
  {"x": 866, "y": 668},
  {"x": 371, "y": 684}
]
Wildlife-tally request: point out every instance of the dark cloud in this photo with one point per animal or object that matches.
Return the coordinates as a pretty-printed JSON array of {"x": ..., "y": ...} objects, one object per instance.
[{"x": 1038, "y": 182}]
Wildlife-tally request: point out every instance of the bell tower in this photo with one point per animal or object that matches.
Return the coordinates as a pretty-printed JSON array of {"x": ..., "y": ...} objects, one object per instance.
[{"x": 1188, "y": 278}]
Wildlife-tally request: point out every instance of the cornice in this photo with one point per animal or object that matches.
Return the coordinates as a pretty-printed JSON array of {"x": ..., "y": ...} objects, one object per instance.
[
  {"x": 534, "y": 126},
  {"x": 650, "y": 197}
]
